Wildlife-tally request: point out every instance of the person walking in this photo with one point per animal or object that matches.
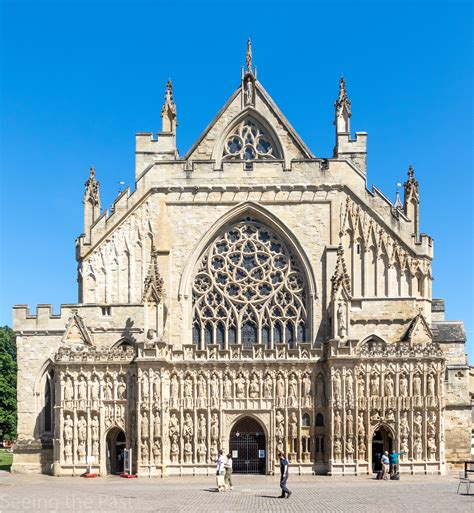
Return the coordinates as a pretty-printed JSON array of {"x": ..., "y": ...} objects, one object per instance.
[
  {"x": 220, "y": 462},
  {"x": 385, "y": 465},
  {"x": 228, "y": 473},
  {"x": 284, "y": 470},
  {"x": 393, "y": 458}
]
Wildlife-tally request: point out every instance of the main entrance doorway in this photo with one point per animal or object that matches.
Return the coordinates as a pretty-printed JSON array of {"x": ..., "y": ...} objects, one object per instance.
[
  {"x": 381, "y": 441},
  {"x": 115, "y": 450},
  {"x": 247, "y": 446}
]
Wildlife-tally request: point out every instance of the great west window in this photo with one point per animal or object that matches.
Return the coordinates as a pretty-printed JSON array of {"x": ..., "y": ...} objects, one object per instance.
[{"x": 248, "y": 290}]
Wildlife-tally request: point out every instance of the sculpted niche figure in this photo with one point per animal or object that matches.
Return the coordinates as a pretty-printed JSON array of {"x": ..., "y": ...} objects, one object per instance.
[
  {"x": 157, "y": 452},
  {"x": 108, "y": 388},
  {"x": 67, "y": 429},
  {"x": 174, "y": 390},
  {"x": 389, "y": 386},
  {"x": 337, "y": 425},
  {"x": 404, "y": 428},
  {"x": 254, "y": 388},
  {"x": 280, "y": 390},
  {"x": 121, "y": 389},
  {"x": 157, "y": 425},
  {"x": 280, "y": 429},
  {"x": 375, "y": 385},
  {"x": 95, "y": 428},
  {"x": 145, "y": 426},
  {"x": 320, "y": 392},
  {"x": 403, "y": 386},
  {"x": 145, "y": 388},
  {"x": 349, "y": 390},
  {"x": 173, "y": 426},
  {"x": 341, "y": 320},
  {"x": 417, "y": 385},
  {"x": 350, "y": 423},
  {"x": 360, "y": 425},
  {"x": 156, "y": 389},
  {"x": 337, "y": 388},
  {"x": 82, "y": 429},
  {"x": 227, "y": 387},
  {"x": 188, "y": 428},
  {"x": 293, "y": 426},
  {"x": 202, "y": 427},
  {"x": 214, "y": 426},
  {"x": 417, "y": 425},
  {"x": 68, "y": 389},
  {"x": 95, "y": 386},
  {"x": 214, "y": 390},
  {"x": 267, "y": 388},
  {"x": 240, "y": 386},
  {"x": 82, "y": 389},
  {"x": 431, "y": 385}
]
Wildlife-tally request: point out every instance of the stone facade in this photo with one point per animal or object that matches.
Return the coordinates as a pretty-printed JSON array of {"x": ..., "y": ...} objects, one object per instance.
[{"x": 247, "y": 281}]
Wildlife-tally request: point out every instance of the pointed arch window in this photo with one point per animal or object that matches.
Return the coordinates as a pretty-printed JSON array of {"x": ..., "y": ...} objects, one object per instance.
[
  {"x": 250, "y": 141},
  {"x": 249, "y": 289},
  {"x": 48, "y": 403}
]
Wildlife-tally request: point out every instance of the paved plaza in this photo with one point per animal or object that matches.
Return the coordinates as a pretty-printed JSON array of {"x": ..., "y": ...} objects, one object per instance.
[{"x": 40, "y": 494}]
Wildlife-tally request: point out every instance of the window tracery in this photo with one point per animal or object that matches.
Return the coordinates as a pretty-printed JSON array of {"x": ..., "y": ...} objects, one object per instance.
[
  {"x": 248, "y": 289},
  {"x": 249, "y": 141}
]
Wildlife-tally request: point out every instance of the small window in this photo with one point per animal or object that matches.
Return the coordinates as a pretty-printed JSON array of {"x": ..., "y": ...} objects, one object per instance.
[
  {"x": 306, "y": 420},
  {"x": 106, "y": 311},
  {"x": 319, "y": 420},
  {"x": 358, "y": 248}
]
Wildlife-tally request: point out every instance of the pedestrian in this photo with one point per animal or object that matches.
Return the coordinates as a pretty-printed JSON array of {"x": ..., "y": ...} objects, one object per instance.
[
  {"x": 393, "y": 458},
  {"x": 284, "y": 469},
  {"x": 228, "y": 473},
  {"x": 220, "y": 462},
  {"x": 385, "y": 465}
]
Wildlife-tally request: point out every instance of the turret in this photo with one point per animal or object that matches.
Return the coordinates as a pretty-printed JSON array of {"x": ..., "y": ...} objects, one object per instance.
[
  {"x": 354, "y": 150},
  {"x": 91, "y": 203},
  {"x": 411, "y": 201}
]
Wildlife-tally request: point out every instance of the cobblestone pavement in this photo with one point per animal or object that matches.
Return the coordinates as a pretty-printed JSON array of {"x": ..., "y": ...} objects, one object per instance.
[{"x": 412, "y": 494}]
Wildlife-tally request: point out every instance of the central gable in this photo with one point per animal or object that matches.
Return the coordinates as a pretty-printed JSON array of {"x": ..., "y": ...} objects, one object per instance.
[{"x": 269, "y": 137}]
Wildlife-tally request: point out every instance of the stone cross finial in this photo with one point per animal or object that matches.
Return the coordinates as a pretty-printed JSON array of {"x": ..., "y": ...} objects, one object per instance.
[
  {"x": 168, "y": 111},
  {"x": 92, "y": 188},
  {"x": 248, "y": 57},
  {"x": 343, "y": 99}
]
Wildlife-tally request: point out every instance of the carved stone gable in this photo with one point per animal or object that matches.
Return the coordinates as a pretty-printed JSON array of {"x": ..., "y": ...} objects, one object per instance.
[{"x": 76, "y": 331}]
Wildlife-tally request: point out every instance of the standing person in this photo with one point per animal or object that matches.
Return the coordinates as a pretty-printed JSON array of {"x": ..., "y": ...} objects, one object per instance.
[
  {"x": 284, "y": 469},
  {"x": 385, "y": 465},
  {"x": 228, "y": 473},
  {"x": 220, "y": 462},
  {"x": 393, "y": 458}
]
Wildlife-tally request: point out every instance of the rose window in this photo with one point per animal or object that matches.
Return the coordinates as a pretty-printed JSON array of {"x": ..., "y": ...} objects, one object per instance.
[
  {"x": 249, "y": 289},
  {"x": 248, "y": 141}
]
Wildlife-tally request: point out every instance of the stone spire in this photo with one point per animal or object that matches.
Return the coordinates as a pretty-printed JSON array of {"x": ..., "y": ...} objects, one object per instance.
[
  {"x": 398, "y": 203},
  {"x": 153, "y": 285},
  {"x": 343, "y": 109},
  {"x": 248, "y": 56},
  {"x": 340, "y": 278},
  {"x": 168, "y": 111},
  {"x": 91, "y": 201},
  {"x": 411, "y": 199}
]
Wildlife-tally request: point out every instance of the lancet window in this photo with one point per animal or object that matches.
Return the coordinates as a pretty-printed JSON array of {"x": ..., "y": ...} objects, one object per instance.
[
  {"x": 249, "y": 290},
  {"x": 250, "y": 141}
]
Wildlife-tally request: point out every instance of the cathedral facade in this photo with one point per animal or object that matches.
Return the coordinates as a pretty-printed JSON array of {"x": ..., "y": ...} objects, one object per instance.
[{"x": 247, "y": 296}]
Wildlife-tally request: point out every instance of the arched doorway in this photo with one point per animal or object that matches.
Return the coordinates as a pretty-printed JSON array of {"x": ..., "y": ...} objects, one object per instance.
[
  {"x": 115, "y": 447},
  {"x": 247, "y": 446},
  {"x": 381, "y": 441}
]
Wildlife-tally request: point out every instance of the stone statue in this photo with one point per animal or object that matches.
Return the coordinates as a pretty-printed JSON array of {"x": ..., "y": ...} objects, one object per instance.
[
  {"x": 145, "y": 452},
  {"x": 341, "y": 320},
  {"x": 201, "y": 387},
  {"x": 248, "y": 91},
  {"x": 404, "y": 427},
  {"x": 157, "y": 452},
  {"x": 431, "y": 445},
  {"x": 188, "y": 427},
  {"x": 68, "y": 389},
  {"x": 390, "y": 416},
  {"x": 95, "y": 389},
  {"x": 267, "y": 388},
  {"x": 375, "y": 385},
  {"x": 82, "y": 429},
  {"x": 145, "y": 427},
  {"x": 389, "y": 386},
  {"x": 360, "y": 425},
  {"x": 320, "y": 393},
  {"x": 201, "y": 451},
  {"x": 145, "y": 388},
  {"x": 431, "y": 385},
  {"x": 404, "y": 447},
  {"x": 227, "y": 387},
  {"x": 95, "y": 428},
  {"x": 188, "y": 388},
  {"x": 432, "y": 424},
  {"x": 240, "y": 386},
  {"x": 68, "y": 425},
  {"x": 292, "y": 387},
  {"x": 173, "y": 426},
  {"x": 306, "y": 386},
  {"x": 214, "y": 387},
  {"x": 68, "y": 452},
  {"x": 280, "y": 428},
  {"x": 202, "y": 427},
  {"x": 418, "y": 425},
  {"x": 188, "y": 451},
  {"x": 337, "y": 389},
  {"x": 95, "y": 449},
  {"x": 417, "y": 385},
  {"x": 403, "y": 386},
  {"x": 82, "y": 389},
  {"x": 349, "y": 449},
  {"x": 254, "y": 388},
  {"x": 361, "y": 387},
  {"x": 337, "y": 450},
  {"x": 349, "y": 390},
  {"x": 122, "y": 388},
  {"x": 213, "y": 450},
  {"x": 156, "y": 389},
  {"x": 350, "y": 423},
  {"x": 337, "y": 424},
  {"x": 280, "y": 390},
  {"x": 109, "y": 387},
  {"x": 362, "y": 450},
  {"x": 81, "y": 450},
  {"x": 157, "y": 425},
  {"x": 174, "y": 450},
  {"x": 293, "y": 426},
  {"x": 418, "y": 449},
  {"x": 214, "y": 426},
  {"x": 174, "y": 389}
]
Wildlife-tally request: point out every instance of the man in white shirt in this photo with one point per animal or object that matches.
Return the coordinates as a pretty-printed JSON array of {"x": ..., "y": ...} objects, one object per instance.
[
  {"x": 228, "y": 473},
  {"x": 220, "y": 462}
]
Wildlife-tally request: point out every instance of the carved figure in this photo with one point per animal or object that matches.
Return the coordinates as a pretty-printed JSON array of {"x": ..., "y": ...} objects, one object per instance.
[
  {"x": 360, "y": 425},
  {"x": 201, "y": 387},
  {"x": 109, "y": 387},
  {"x": 417, "y": 385},
  {"x": 82, "y": 429},
  {"x": 417, "y": 425},
  {"x": 404, "y": 427},
  {"x": 403, "y": 386},
  {"x": 67, "y": 429},
  {"x": 173, "y": 426},
  {"x": 156, "y": 389},
  {"x": 337, "y": 424},
  {"x": 68, "y": 389},
  {"x": 202, "y": 427},
  {"x": 201, "y": 451},
  {"x": 362, "y": 450},
  {"x": 267, "y": 388},
  {"x": 95, "y": 449},
  {"x": 375, "y": 385},
  {"x": 188, "y": 428},
  {"x": 280, "y": 428},
  {"x": 349, "y": 390},
  {"x": 95, "y": 428},
  {"x": 240, "y": 386},
  {"x": 214, "y": 387},
  {"x": 361, "y": 387},
  {"x": 349, "y": 449},
  {"x": 95, "y": 386},
  {"x": 390, "y": 416},
  {"x": 292, "y": 386},
  {"x": 174, "y": 450},
  {"x": 82, "y": 389},
  {"x": 432, "y": 424},
  {"x": 174, "y": 390},
  {"x": 306, "y": 386},
  {"x": 418, "y": 449},
  {"x": 431, "y": 445},
  {"x": 320, "y": 391},
  {"x": 214, "y": 426},
  {"x": 157, "y": 425},
  {"x": 337, "y": 450},
  {"x": 145, "y": 452},
  {"x": 81, "y": 450},
  {"x": 404, "y": 448},
  {"x": 145, "y": 427},
  {"x": 254, "y": 388},
  {"x": 157, "y": 452},
  {"x": 227, "y": 387},
  {"x": 188, "y": 388},
  {"x": 293, "y": 426},
  {"x": 431, "y": 385},
  {"x": 280, "y": 389},
  {"x": 350, "y": 423},
  {"x": 248, "y": 91},
  {"x": 341, "y": 320},
  {"x": 188, "y": 451},
  {"x": 337, "y": 388},
  {"x": 389, "y": 386},
  {"x": 145, "y": 388}
]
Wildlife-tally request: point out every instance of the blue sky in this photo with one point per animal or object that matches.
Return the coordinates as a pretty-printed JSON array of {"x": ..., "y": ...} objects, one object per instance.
[{"x": 79, "y": 79}]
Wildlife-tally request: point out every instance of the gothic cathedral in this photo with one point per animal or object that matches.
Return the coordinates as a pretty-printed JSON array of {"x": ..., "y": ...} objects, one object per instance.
[{"x": 247, "y": 296}]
